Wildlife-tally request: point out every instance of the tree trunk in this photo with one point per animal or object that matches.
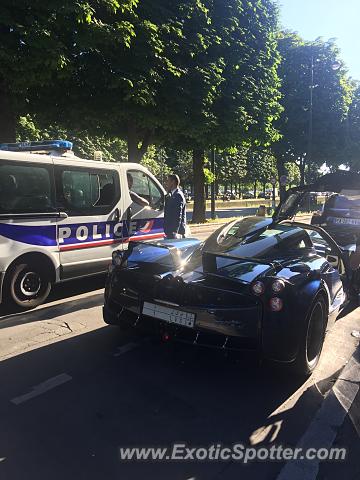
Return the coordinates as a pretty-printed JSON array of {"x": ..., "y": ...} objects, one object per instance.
[
  {"x": 281, "y": 171},
  {"x": 255, "y": 189},
  {"x": 199, "y": 212},
  {"x": 138, "y": 141},
  {"x": 302, "y": 166},
  {"x": 7, "y": 117}
]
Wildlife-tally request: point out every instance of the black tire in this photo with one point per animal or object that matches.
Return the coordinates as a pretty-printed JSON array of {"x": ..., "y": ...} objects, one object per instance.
[
  {"x": 27, "y": 285},
  {"x": 312, "y": 338}
]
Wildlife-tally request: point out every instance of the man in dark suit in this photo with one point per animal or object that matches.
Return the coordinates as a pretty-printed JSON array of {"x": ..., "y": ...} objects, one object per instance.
[{"x": 175, "y": 209}]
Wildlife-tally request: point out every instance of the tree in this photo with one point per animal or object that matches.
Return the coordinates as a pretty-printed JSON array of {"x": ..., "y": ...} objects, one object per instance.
[
  {"x": 315, "y": 97},
  {"x": 113, "y": 149},
  {"x": 229, "y": 95},
  {"x": 180, "y": 162},
  {"x": 230, "y": 167},
  {"x": 37, "y": 42},
  {"x": 352, "y": 132},
  {"x": 119, "y": 64},
  {"x": 261, "y": 167}
]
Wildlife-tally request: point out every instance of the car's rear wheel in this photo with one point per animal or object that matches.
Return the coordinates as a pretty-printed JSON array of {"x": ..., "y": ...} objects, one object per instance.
[
  {"x": 27, "y": 285},
  {"x": 312, "y": 338}
]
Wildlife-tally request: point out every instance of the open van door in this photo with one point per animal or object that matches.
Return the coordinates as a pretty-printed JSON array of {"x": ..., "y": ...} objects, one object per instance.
[{"x": 144, "y": 205}]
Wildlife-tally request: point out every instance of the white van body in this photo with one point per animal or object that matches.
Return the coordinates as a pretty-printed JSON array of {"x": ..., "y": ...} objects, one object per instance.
[{"x": 70, "y": 214}]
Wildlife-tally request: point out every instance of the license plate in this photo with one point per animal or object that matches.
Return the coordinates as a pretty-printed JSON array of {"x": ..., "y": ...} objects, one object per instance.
[
  {"x": 170, "y": 315},
  {"x": 346, "y": 221}
]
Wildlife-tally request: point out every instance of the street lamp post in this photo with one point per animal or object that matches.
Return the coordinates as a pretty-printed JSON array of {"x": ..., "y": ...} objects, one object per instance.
[
  {"x": 212, "y": 186},
  {"x": 310, "y": 134},
  {"x": 335, "y": 66}
]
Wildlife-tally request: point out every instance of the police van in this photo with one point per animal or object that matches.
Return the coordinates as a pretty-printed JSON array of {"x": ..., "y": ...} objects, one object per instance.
[{"x": 61, "y": 216}]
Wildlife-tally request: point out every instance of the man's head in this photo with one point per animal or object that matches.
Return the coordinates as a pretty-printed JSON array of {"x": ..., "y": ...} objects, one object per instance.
[
  {"x": 130, "y": 180},
  {"x": 172, "y": 182}
]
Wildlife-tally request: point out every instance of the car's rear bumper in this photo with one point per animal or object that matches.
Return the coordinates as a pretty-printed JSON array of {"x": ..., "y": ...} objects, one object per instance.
[{"x": 230, "y": 329}]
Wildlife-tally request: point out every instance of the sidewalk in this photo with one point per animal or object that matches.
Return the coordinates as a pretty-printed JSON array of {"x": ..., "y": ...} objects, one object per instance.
[
  {"x": 348, "y": 436},
  {"x": 335, "y": 425}
]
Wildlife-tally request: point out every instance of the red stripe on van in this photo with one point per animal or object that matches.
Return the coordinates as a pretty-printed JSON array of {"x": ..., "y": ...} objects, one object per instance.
[{"x": 66, "y": 248}]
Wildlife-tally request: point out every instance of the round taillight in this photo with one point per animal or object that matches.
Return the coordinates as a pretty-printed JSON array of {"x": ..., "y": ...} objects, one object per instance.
[
  {"x": 278, "y": 285},
  {"x": 258, "y": 288},
  {"x": 276, "y": 304}
]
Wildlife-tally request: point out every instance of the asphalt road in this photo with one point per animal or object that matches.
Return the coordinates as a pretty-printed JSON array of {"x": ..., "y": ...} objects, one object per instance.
[{"x": 73, "y": 391}]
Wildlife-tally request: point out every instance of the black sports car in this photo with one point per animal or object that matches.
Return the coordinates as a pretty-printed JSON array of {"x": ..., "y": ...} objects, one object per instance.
[{"x": 269, "y": 285}]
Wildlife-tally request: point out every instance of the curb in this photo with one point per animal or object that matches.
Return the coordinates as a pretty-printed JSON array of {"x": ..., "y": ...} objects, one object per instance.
[{"x": 324, "y": 427}]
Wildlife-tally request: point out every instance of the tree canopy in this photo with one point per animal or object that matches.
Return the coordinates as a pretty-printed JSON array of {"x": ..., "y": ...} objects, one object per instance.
[{"x": 315, "y": 96}]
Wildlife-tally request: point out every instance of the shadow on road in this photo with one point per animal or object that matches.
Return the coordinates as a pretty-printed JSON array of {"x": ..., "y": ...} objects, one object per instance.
[{"x": 149, "y": 396}]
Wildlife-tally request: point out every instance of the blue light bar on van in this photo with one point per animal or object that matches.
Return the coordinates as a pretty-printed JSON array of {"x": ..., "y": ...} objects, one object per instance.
[{"x": 37, "y": 146}]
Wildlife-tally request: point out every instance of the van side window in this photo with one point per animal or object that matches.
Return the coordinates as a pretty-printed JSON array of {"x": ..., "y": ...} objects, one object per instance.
[
  {"x": 87, "y": 192},
  {"x": 25, "y": 188},
  {"x": 145, "y": 187}
]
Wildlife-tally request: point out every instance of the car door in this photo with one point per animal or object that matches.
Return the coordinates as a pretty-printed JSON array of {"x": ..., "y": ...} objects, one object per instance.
[
  {"x": 89, "y": 198},
  {"x": 143, "y": 222}
]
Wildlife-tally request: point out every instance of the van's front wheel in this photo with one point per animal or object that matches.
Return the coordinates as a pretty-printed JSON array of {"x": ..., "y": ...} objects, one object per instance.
[{"x": 27, "y": 285}]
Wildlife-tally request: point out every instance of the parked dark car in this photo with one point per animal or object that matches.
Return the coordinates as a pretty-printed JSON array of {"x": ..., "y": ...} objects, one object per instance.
[
  {"x": 247, "y": 195},
  {"x": 265, "y": 195},
  {"x": 271, "y": 286},
  {"x": 340, "y": 216},
  {"x": 228, "y": 195}
]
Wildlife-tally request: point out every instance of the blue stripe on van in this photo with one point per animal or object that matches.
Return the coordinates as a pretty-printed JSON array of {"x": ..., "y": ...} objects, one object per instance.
[
  {"x": 40, "y": 235},
  {"x": 45, "y": 235}
]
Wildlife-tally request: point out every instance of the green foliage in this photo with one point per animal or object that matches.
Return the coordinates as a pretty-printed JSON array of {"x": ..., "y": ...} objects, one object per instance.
[
  {"x": 293, "y": 173},
  {"x": 331, "y": 97},
  {"x": 113, "y": 150},
  {"x": 209, "y": 176},
  {"x": 229, "y": 94},
  {"x": 155, "y": 161},
  {"x": 231, "y": 166},
  {"x": 261, "y": 166},
  {"x": 180, "y": 162},
  {"x": 38, "y": 41},
  {"x": 352, "y": 132}
]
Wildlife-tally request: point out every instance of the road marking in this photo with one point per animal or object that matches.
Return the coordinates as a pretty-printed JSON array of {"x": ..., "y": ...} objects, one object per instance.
[
  {"x": 125, "y": 348},
  {"x": 42, "y": 388},
  {"x": 323, "y": 429}
]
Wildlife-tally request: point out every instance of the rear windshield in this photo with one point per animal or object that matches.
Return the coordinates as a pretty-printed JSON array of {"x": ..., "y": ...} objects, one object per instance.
[{"x": 343, "y": 202}]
